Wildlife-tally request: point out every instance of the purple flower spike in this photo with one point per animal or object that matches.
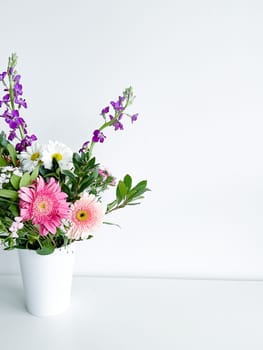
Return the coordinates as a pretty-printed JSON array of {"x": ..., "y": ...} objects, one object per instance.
[
  {"x": 134, "y": 117},
  {"x": 13, "y": 102},
  {"x": 98, "y": 136}
]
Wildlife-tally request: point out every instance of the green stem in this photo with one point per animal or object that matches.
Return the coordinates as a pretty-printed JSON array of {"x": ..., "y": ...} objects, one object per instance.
[
  {"x": 11, "y": 91},
  {"x": 116, "y": 208}
]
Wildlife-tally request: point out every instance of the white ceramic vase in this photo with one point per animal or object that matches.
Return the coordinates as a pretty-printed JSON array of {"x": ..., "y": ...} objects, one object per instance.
[{"x": 47, "y": 280}]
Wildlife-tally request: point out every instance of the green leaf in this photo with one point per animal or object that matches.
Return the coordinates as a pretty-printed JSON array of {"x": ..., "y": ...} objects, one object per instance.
[
  {"x": 84, "y": 185},
  {"x": 10, "y": 194},
  {"x": 12, "y": 152},
  {"x": 111, "y": 223},
  {"x": 25, "y": 180},
  {"x": 2, "y": 227},
  {"x": 131, "y": 194},
  {"x": 3, "y": 162},
  {"x": 76, "y": 160},
  {"x": 3, "y": 140},
  {"x": 122, "y": 189},
  {"x": 138, "y": 190},
  {"x": 140, "y": 186},
  {"x": 118, "y": 195},
  {"x": 111, "y": 205},
  {"x": 15, "y": 180},
  {"x": 70, "y": 176},
  {"x": 128, "y": 181},
  {"x": 45, "y": 250},
  {"x": 14, "y": 210},
  {"x": 91, "y": 162},
  {"x": 34, "y": 173}
]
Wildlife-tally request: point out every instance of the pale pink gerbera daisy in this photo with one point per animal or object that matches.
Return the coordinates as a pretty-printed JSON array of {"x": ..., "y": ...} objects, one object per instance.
[
  {"x": 44, "y": 204},
  {"x": 86, "y": 215}
]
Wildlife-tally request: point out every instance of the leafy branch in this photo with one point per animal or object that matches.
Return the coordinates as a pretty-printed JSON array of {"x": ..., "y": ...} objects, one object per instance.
[{"x": 126, "y": 194}]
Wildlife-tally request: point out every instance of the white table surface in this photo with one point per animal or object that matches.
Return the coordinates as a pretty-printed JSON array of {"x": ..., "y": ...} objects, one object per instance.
[{"x": 135, "y": 314}]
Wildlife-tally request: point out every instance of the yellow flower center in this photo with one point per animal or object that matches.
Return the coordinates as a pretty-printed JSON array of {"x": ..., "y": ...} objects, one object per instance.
[
  {"x": 43, "y": 207},
  {"x": 57, "y": 156},
  {"x": 82, "y": 215},
  {"x": 35, "y": 156}
]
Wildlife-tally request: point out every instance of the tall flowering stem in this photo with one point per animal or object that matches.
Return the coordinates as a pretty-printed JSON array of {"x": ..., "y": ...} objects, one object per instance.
[
  {"x": 12, "y": 61},
  {"x": 119, "y": 108},
  {"x": 13, "y": 102}
]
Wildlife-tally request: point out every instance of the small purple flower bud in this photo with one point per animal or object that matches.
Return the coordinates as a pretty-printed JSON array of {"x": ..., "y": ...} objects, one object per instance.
[
  {"x": 2, "y": 76},
  {"x": 117, "y": 124},
  {"x": 103, "y": 172},
  {"x": 98, "y": 136},
  {"x": 27, "y": 141},
  {"x": 6, "y": 114},
  {"x": 113, "y": 181},
  {"x": 105, "y": 110},
  {"x": 84, "y": 147},
  {"x": 33, "y": 137},
  {"x": 15, "y": 113},
  {"x": 13, "y": 124},
  {"x": 6, "y": 98},
  {"x": 12, "y": 135},
  {"x": 118, "y": 105},
  {"x": 17, "y": 78},
  {"x": 134, "y": 117},
  {"x": 106, "y": 175},
  {"x": 18, "y": 89},
  {"x": 20, "y": 147},
  {"x": 21, "y": 102}
]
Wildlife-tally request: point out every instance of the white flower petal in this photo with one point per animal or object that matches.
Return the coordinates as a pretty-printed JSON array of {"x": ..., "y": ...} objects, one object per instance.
[
  {"x": 31, "y": 157},
  {"x": 60, "y": 152}
]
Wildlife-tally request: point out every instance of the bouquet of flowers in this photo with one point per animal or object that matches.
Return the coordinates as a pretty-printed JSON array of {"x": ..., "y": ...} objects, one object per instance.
[{"x": 51, "y": 196}]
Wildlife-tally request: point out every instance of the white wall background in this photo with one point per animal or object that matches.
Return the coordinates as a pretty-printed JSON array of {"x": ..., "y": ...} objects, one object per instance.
[{"x": 197, "y": 70}]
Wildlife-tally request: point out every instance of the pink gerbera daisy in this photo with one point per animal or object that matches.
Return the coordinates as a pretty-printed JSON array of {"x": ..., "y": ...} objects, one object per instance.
[
  {"x": 44, "y": 204},
  {"x": 86, "y": 215}
]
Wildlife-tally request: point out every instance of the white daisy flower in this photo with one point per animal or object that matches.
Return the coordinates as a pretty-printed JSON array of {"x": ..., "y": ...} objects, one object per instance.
[
  {"x": 58, "y": 151},
  {"x": 31, "y": 157}
]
